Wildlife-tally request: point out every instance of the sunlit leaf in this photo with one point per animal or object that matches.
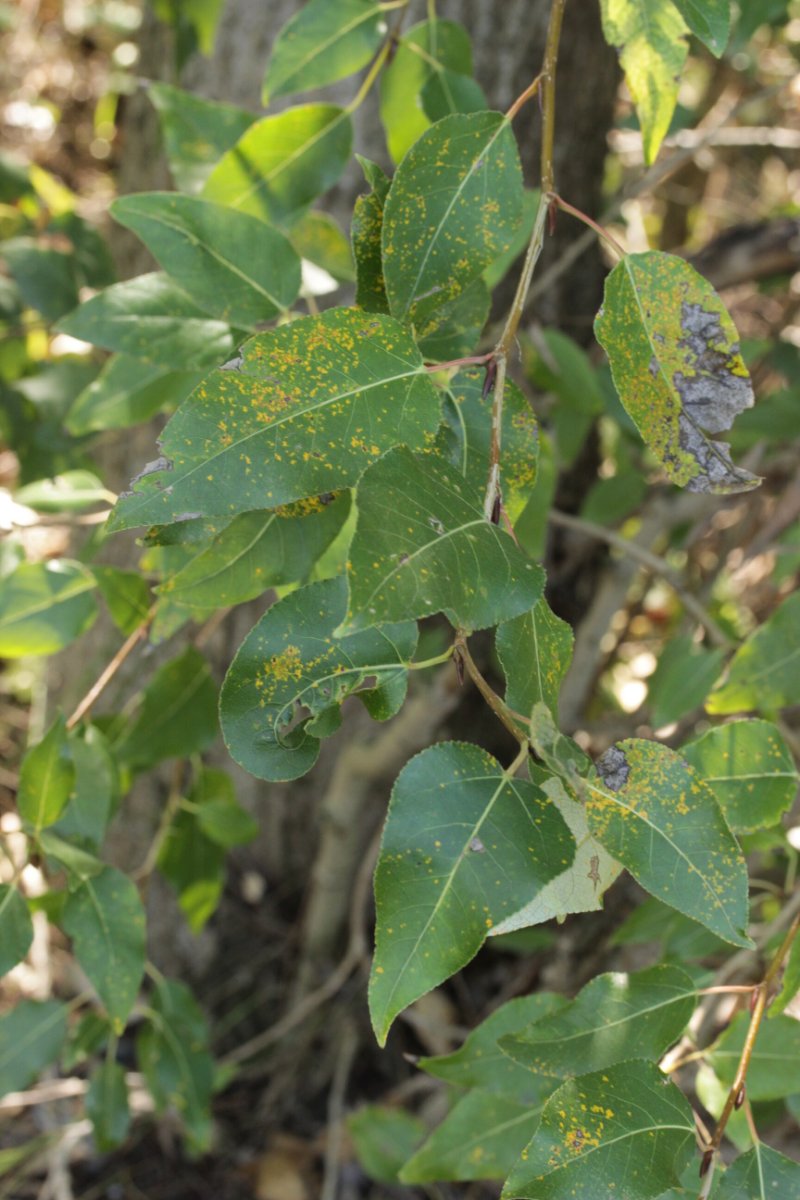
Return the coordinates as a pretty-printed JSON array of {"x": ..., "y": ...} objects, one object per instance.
[
  {"x": 750, "y": 770},
  {"x": 480, "y": 1138},
  {"x": 422, "y": 546},
  {"x": 650, "y": 36},
  {"x": 487, "y": 840},
  {"x": 614, "y": 1018},
  {"x": 196, "y": 132},
  {"x": 535, "y": 650},
  {"x": 44, "y": 607},
  {"x": 106, "y": 921},
  {"x": 306, "y": 409},
  {"x": 154, "y": 321},
  {"x": 453, "y": 207},
  {"x": 790, "y": 984},
  {"x": 317, "y": 238},
  {"x": 291, "y": 664},
  {"x": 674, "y": 354},
  {"x": 46, "y": 779},
  {"x": 233, "y": 266},
  {"x": 628, "y": 1124},
  {"x": 283, "y": 162},
  {"x": 323, "y": 42},
  {"x": 763, "y": 673}
]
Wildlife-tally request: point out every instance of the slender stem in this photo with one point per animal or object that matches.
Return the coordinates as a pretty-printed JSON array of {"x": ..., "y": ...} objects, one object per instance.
[
  {"x": 523, "y": 98},
  {"x": 498, "y": 707},
  {"x": 587, "y": 220},
  {"x": 372, "y": 74},
  {"x": 171, "y": 810},
  {"x": 743, "y": 989},
  {"x": 432, "y": 662},
  {"x": 549, "y": 95},
  {"x": 473, "y": 360},
  {"x": 656, "y": 564},
  {"x": 102, "y": 682},
  {"x": 762, "y": 992}
]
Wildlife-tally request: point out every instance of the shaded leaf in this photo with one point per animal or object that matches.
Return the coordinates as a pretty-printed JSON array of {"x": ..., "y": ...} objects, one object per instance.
[
  {"x": 196, "y": 132},
  {"x": 31, "y": 1037},
  {"x": 153, "y": 320},
  {"x": 750, "y": 770},
  {"x": 89, "y": 810},
  {"x": 674, "y": 355},
  {"x": 194, "y": 865},
  {"x": 772, "y": 1072},
  {"x": 173, "y": 1054},
  {"x": 70, "y": 491},
  {"x": 422, "y": 546},
  {"x": 290, "y": 665},
  {"x": 308, "y": 407},
  {"x": 684, "y": 676},
  {"x": 760, "y": 1174},
  {"x": 127, "y": 595},
  {"x": 628, "y": 1124},
  {"x": 709, "y": 20},
  {"x": 480, "y": 1063},
  {"x": 650, "y": 36},
  {"x": 46, "y": 778},
  {"x": 535, "y": 650},
  {"x": 487, "y": 840},
  {"x": 384, "y": 1139},
  {"x": 615, "y": 1017},
  {"x": 177, "y": 716},
  {"x": 16, "y": 928},
  {"x": 790, "y": 984},
  {"x": 448, "y": 92},
  {"x": 46, "y": 276},
  {"x": 106, "y": 921},
  {"x": 257, "y": 551},
  {"x": 365, "y": 233},
  {"x": 127, "y": 392},
  {"x": 322, "y": 43},
  {"x": 107, "y": 1104},
  {"x": 44, "y": 607},
  {"x": 81, "y": 864},
  {"x": 453, "y": 329},
  {"x": 283, "y": 162},
  {"x": 763, "y": 672},
  {"x": 480, "y": 1138},
  {"x": 219, "y": 814},
  {"x": 453, "y": 207},
  {"x": 233, "y": 266}
]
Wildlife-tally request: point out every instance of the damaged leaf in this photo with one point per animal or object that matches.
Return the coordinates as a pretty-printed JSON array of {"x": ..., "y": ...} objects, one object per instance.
[{"x": 674, "y": 355}]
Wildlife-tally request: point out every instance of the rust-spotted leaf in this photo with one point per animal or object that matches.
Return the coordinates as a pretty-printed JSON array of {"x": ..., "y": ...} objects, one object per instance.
[
  {"x": 674, "y": 355},
  {"x": 306, "y": 408},
  {"x": 454, "y": 206}
]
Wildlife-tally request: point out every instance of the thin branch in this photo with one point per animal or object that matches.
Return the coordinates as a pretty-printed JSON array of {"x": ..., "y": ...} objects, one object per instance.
[
  {"x": 498, "y": 706},
  {"x": 100, "y": 684},
  {"x": 587, "y": 220}
]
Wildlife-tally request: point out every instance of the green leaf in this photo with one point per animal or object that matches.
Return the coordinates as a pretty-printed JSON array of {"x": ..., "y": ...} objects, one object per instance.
[
  {"x": 177, "y": 716},
  {"x": 194, "y": 865},
  {"x": 683, "y": 678},
  {"x": 750, "y": 770},
  {"x": 153, "y": 320},
  {"x": 196, "y": 132},
  {"x": 465, "y": 438},
  {"x": 233, "y": 266},
  {"x": 674, "y": 355},
  {"x": 306, "y": 409},
  {"x": 481, "y": 1138},
  {"x": 448, "y": 92},
  {"x": 614, "y": 1018},
  {"x": 453, "y": 329},
  {"x": 772, "y": 1073},
  {"x": 650, "y": 36},
  {"x": 790, "y": 984},
  {"x": 128, "y": 392},
  {"x": 657, "y": 817},
  {"x": 85, "y": 1039},
  {"x": 422, "y": 53},
  {"x": 709, "y": 20},
  {"x": 480, "y": 1063},
  {"x": 80, "y": 864},
  {"x": 384, "y": 1139},
  {"x": 760, "y": 1174},
  {"x": 44, "y": 607},
  {"x": 366, "y": 232},
  {"x": 31, "y": 1037},
  {"x": 283, "y": 162},
  {"x": 629, "y": 1124},
  {"x": 172, "y": 1049},
  {"x": 763, "y": 672},
  {"x": 219, "y": 815},
  {"x": 291, "y": 663},
  {"x": 453, "y": 207},
  {"x": 675, "y": 361},
  {"x": 318, "y": 239},
  {"x": 127, "y": 595},
  {"x": 70, "y": 491},
  {"x": 257, "y": 551},
  {"x": 45, "y": 276},
  {"x": 464, "y": 842},
  {"x": 16, "y": 928},
  {"x": 535, "y": 650},
  {"x": 422, "y": 546},
  {"x": 321, "y": 44},
  {"x": 106, "y": 921},
  {"x": 107, "y": 1104},
  {"x": 46, "y": 778},
  {"x": 89, "y": 810}
]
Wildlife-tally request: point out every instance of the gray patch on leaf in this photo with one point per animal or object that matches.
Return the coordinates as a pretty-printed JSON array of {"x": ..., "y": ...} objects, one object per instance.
[
  {"x": 158, "y": 464},
  {"x": 477, "y": 846},
  {"x": 233, "y": 364},
  {"x": 712, "y": 395},
  {"x": 613, "y": 768}
]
